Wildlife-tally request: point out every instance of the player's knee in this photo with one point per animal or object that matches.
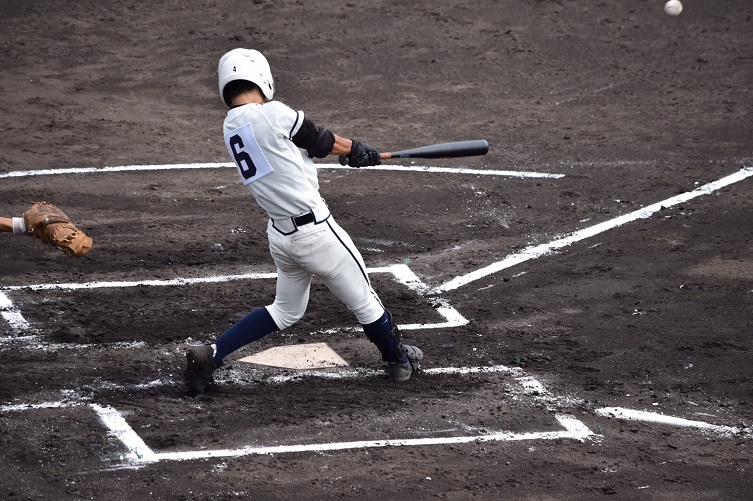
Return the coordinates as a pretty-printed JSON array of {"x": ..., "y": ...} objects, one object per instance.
[{"x": 285, "y": 317}]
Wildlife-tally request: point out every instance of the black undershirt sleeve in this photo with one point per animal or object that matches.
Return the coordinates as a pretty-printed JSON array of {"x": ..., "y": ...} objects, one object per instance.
[{"x": 317, "y": 141}]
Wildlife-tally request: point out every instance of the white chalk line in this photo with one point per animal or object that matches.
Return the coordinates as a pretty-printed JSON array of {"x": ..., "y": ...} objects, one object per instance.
[
  {"x": 119, "y": 284},
  {"x": 404, "y": 168},
  {"x": 537, "y": 251},
  {"x": 655, "y": 417},
  {"x": 573, "y": 429},
  {"x": 119, "y": 428},
  {"x": 11, "y": 314},
  {"x": 139, "y": 451},
  {"x": 140, "y": 454},
  {"x": 401, "y": 273},
  {"x": 75, "y": 399},
  {"x": 530, "y": 386}
]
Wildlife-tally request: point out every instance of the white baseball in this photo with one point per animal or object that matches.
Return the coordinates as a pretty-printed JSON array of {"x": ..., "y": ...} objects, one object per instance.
[{"x": 673, "y": 7}]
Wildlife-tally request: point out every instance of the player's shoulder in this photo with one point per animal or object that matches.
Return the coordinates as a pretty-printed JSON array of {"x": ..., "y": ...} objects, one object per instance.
[
  {"x": 277, "y": 107},
  {"x": 282, "y": 117}
]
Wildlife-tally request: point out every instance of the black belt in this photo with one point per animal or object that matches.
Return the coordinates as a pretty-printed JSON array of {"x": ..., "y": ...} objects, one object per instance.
[{"x": 304, "y": 219}]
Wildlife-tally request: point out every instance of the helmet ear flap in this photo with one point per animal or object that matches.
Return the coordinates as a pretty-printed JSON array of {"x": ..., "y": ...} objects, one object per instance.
[{"x": 245, "y": 64}]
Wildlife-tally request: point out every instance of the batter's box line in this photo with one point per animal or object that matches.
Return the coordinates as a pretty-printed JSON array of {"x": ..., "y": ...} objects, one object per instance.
[
  {"x": 401, "y": 273},
  {"x": 139, "y": 454},
  {"x": 11, "y": 314},
  {"x": 655, "y": 417}
]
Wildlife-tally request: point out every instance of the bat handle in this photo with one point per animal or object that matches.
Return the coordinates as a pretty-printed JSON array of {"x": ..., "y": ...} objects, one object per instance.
[{"x": 385, "y": 155}]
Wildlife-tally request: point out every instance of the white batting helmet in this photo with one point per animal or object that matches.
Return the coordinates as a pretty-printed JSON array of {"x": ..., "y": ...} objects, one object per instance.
[{"x": 245, "y": 64}]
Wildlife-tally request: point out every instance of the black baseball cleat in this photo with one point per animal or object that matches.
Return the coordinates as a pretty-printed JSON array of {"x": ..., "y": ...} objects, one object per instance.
[
  {"x": 402, "y": 371},
  {"x": 199, "y": 368}
]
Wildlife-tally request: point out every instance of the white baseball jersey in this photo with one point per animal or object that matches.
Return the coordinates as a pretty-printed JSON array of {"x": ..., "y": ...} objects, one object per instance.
[
  {"x": 283, "y": 182},
  {"x": 283, "y": 179}
]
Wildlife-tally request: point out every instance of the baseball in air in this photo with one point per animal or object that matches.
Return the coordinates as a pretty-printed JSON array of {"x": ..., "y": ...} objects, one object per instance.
[{"x": 673, "y": 7}]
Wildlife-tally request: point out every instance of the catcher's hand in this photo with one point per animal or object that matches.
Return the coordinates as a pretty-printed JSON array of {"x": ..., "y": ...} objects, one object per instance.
[{"x": 48, "y": 223}]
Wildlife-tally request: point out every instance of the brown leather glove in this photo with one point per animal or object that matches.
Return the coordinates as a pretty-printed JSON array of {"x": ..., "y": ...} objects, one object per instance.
[{"x": 52, "y": 226}]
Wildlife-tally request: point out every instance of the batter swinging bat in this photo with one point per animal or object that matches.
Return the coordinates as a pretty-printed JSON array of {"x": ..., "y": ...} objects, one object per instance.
[{"x": 454, "y": 149}]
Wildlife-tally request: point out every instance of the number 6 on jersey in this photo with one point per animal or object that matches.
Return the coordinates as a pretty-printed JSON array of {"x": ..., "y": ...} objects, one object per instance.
[{"x": 251, "y": 162}]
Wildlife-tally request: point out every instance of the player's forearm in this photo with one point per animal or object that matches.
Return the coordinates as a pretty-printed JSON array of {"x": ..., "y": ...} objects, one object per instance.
[
  {"x": 14, "y": 224},
  {"x": 342, "y": 146}
]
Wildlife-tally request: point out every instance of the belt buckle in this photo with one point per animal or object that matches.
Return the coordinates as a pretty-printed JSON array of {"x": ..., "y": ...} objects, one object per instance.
[{"x": 303, "y": 216}]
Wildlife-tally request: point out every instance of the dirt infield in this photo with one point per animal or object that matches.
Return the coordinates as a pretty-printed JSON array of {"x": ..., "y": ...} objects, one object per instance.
[{"x": 583, "y": 293}]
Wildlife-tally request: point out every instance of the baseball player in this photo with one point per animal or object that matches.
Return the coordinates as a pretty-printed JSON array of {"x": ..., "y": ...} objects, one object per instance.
[
  {"x": 272, "y": 146},
  {"x": 48, "y": 223}
]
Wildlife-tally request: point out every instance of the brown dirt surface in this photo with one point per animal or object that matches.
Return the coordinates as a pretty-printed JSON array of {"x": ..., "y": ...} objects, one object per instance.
[{"x": 617, "y": 366}]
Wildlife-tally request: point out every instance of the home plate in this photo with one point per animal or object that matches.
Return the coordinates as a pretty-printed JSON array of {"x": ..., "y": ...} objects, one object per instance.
[{"x": 299, "y": 356}]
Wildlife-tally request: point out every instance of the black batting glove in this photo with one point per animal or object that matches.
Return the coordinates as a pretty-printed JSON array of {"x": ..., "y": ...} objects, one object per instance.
[{"x": 361, "y": 155}]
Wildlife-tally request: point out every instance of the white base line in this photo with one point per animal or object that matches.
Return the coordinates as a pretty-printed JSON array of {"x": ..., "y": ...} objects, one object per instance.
[
  {"x": 574, "y": 430},
  {"x": 139, "y": 454},
  {"x": 411, "y": 168},
  {"x": 537, "y": 251},
  {"x": 401, "y": 272},
  {"x": 138, "y": 283},
  {"x": 654, "y": 417},
  {"x": 120, "y": 429},
  {"x": 11, "y": 314}
]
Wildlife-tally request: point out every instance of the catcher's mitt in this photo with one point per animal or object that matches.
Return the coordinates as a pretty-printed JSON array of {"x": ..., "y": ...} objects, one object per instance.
[{"x": 48, "y": 223}]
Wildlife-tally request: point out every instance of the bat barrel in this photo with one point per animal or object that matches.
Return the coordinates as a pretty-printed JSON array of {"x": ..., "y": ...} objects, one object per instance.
[{"x": 453, "y": 149}]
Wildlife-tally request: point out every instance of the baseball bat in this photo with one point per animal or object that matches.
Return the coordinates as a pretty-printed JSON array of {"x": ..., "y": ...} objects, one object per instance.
[{"x": 453, "y": 149}]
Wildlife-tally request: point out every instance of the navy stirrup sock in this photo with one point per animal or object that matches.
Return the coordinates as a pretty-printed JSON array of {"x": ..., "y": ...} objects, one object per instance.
[
  {"x": 380, "y": 333},
  {"x": 252, "y": 327}
]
